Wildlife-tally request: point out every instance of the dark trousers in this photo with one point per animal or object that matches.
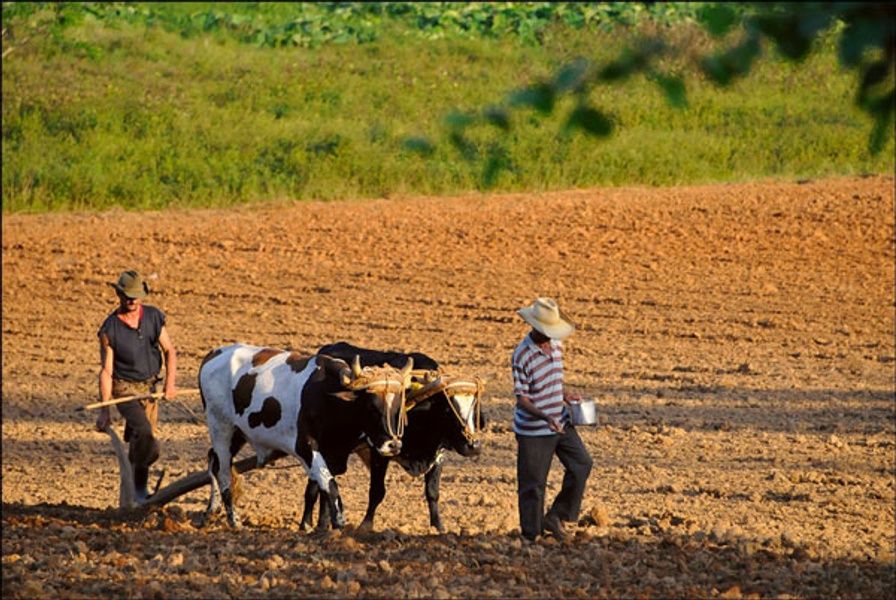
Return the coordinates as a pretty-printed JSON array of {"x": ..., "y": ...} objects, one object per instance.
[
  {"x": 140, "y": 418},
  {"x": 534, "y": 455}
]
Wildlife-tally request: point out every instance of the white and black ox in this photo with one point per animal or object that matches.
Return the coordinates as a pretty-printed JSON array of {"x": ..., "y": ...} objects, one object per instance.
[
  {"x": 313, "y": 408},
  {"x": 444, "y": 413}
]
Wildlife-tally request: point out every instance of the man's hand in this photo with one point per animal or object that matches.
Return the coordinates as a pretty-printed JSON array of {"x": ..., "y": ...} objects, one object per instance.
[
  {"x": 555, "y": 425},
  {"x": 170, "y": 392},
  {"x": 103, "y": 419},
  {"x": 572, "y": 398}
]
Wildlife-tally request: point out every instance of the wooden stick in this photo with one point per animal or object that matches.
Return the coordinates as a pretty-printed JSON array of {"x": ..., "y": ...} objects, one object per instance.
[
  {"x": 195, "y": 481},
  {"x": 126, "y": 494},
  {"x": 136, "y": 397}
]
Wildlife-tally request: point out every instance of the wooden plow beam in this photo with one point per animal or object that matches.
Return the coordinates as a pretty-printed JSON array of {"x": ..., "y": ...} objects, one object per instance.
[{"x": 127, "y": 501}]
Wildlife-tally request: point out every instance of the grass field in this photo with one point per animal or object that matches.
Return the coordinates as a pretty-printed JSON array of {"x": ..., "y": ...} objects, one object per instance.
[{"x": 120, "y": 113}]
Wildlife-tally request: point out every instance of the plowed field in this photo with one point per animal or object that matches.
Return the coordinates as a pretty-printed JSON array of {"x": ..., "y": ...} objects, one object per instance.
[{"x": 739, "y": 341}]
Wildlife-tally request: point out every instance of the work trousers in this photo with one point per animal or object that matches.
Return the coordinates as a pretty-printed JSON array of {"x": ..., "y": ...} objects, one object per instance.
[
  {"x": 141, "y": 418},
  {"x": 534, "y": 455}
]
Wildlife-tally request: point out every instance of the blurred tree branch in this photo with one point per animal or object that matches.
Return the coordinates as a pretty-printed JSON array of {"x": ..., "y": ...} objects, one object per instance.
[{"x": 865, "y": 34}]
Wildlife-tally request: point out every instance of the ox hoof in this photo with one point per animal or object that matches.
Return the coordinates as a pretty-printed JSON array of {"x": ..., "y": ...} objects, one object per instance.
[{"x": 365, "y": 526}]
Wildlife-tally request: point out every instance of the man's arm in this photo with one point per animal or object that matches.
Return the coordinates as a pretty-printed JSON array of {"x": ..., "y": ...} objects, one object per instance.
[
  {"x": 107, "y": 360},
  {"x": 170, "y": 364},
  {"x": 527, "y": 405}
]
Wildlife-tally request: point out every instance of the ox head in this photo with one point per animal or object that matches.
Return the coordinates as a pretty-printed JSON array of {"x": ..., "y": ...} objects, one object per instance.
[
  {"x": 463, "y": 398},
  {"x": 381, "y": 393}
]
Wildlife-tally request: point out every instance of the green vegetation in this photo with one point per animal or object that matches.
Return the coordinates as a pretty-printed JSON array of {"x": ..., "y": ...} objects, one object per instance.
[{"x": 147, "y": 106}]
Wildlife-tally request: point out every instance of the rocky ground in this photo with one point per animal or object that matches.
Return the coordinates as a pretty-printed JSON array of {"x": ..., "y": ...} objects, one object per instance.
[{"x": 739, "y": 341}]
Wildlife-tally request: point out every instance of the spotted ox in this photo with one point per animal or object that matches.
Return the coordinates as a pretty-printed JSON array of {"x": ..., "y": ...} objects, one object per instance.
[
  {"x": 444, "y": 414},
  {"x": 313, "y": 408}
]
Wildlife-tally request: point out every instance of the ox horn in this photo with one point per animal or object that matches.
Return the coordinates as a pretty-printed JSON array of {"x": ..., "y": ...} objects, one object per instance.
[
  {"x": 356, "y": 366},
  {"x": 345, "y": 376},
  {"x": 406, "y": 371}
]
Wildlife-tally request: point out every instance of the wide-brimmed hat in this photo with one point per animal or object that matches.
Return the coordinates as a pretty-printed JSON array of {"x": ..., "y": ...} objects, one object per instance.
[
  {"x": 131, "y": 285},
  {"x": 545, "y": 316}
]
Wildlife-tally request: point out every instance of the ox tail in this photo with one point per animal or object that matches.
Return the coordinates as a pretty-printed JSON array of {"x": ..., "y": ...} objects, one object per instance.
[
  {"x": 205, "y": 359},
  {"x": 236, "y": 485}
]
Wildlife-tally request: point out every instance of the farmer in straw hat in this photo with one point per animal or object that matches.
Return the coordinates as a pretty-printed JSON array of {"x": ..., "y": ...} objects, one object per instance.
[
  {"x": 130, "y": 363},
  {"x": 542, "y": 425}
]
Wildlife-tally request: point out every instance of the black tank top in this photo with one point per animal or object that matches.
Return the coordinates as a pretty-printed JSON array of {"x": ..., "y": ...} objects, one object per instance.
[{"x": 136, "y": 351}]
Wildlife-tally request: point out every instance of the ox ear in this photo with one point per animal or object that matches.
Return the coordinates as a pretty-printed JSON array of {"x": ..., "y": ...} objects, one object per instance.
[
  {"x": 483, "y": 420},
  {"x": 356, "y": 366},
  {"x": 346, "y": 396}
]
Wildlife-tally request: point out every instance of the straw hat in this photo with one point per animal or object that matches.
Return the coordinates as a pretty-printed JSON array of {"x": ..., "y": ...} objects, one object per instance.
[
  {"x": 545, "y": 316},
  {"x": 131, "y": 285}
]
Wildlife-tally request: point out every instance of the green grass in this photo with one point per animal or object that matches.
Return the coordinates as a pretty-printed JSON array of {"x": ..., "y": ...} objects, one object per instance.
[{"x": 146, "y": 118}]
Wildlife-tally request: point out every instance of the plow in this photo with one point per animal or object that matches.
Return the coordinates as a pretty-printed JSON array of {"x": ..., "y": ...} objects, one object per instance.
[{"x": 127, "y": 500}]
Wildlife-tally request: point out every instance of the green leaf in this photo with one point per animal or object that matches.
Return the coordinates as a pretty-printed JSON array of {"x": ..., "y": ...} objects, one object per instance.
[
  {"x": 590, "y": 120},
  {"x": 420, "y": 145},
  {"x": 572, "y": 76},
  {"x": 714, "y": 68},
  {"x": 496, "y": 162},
  {"x": 883, "y": 129},
  {"x": 872, "y": 74},
  {"x": 617, "y": 70},
  {"x": 734, "y": 62},
  {"x": 858, "y": 36},
  {"x": 539, "y": 96},
  {"x": 237, "y": 19},
  {"x": 793, "y": 33},
  {"x": 717, "y": 19},
  {"x": 458, "y": 120},
  {"x": 463, "y": 145},
  {"x": 673, "y": 88},
  {"x": 498, "y": 117}
]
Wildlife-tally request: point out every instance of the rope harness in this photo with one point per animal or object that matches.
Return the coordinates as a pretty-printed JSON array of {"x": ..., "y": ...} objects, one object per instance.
[
  {"x": 451, "y": 386},
  {"x": 387, "y": 380},
  {"x": 382, "y": 387}
]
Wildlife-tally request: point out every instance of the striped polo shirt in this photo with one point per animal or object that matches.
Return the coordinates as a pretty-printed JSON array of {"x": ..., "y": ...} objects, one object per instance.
[{"x": 538, "y": 375}]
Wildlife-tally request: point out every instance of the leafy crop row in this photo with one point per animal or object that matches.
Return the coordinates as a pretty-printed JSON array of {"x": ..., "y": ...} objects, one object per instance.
[{"x": 307, "y": 24}]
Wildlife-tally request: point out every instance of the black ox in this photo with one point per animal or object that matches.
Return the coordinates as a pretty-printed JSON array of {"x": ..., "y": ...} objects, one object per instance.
[{"x": 444, "y": 414}]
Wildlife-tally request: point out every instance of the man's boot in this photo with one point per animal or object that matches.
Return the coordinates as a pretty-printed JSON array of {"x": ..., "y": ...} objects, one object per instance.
[{"x": 141, "y": 477}]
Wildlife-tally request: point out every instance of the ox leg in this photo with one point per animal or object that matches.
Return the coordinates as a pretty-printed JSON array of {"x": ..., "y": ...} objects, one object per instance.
[
  {"x": 323, "y": 513},
  {"x": 312, "y": 493},
  {"x": 377, "y": 491},
  {"x": 319, "y": 472},
  {"x": 334, "y": 507},
  {"x": 214, "y": 498},
  {"x": 224, "y": 448},
  {"x": 433, "y": 478}
]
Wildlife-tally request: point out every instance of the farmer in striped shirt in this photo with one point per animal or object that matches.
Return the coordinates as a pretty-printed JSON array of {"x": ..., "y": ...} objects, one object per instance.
[{"x": 542, "y": 424}]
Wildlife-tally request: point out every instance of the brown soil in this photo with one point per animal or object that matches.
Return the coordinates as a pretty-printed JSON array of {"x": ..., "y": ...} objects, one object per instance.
[{"x": 739, "y": 340}]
